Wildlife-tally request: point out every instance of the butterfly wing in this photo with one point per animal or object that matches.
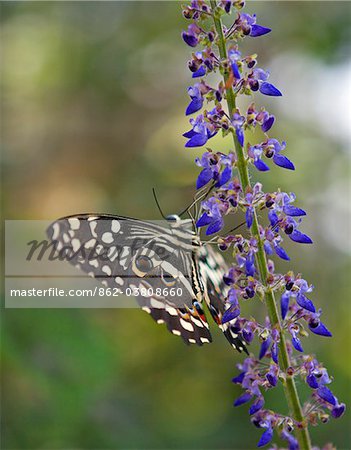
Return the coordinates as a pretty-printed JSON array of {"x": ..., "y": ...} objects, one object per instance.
[
  {"x": 146, "y": 257},
  {"x": 212, "y": 267}
]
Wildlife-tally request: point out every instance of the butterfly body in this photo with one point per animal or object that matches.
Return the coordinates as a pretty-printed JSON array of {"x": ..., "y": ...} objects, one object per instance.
[{"x": 155, "y": 260}]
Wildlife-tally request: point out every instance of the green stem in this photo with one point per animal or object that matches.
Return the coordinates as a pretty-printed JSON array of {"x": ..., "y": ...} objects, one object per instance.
[{"x": 290, "y": 390}]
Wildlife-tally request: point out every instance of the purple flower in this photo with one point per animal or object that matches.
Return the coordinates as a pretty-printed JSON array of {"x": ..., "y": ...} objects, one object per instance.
[
  {"x": 269, "y": 89},
  {"x": 284, "y": 303},
  {"x": 326, "y": 394},
  {"x": 293, "y": 443},
  {"x": 200, "y": 72},
  {"x": 200, "y": 133},
  {"x": 238, "y": 122},
  {"x": 272, "y": 375},
  {"x": 264, "y": 347},
  {"x": 234, "y": 57},
  {"x": 244, "y": 398},
  {"x": 338, "y": 410},
  {"x": 305, "y": 303},
  {"x": 258, "y": 30},
  {"x": 256, "y": 405},
  {"x": 234, "y": 309},
  {"x": 212, "y": 164},
  {"x": 273, "y": 148},
  {"x": 256, "y": 152},
  {"x": 266, "y": 437},
  {"x": 196, "y": 100},
  {"x": 212, "y": 218},
  {"x": 317, "y": 327},
  {"x": 302, "y": 238},
  {"x": 248, "y": 26},
  {"x": 267, "y": 124},
  {"x": 191, "y": 36},
  {"x": 258, "y": 81}
]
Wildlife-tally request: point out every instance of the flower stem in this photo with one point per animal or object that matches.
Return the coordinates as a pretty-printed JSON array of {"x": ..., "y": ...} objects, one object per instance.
[{"x": 290, "y": 390}]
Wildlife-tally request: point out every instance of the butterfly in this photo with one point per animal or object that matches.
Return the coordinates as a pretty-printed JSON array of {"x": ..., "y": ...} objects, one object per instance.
[{"x": 171, "y": 272}]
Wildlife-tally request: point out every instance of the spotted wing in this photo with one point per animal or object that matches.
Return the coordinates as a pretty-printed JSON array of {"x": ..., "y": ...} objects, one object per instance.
[
  {"x": 212, "y": 267},
  {"x": 124, "y": 252}
]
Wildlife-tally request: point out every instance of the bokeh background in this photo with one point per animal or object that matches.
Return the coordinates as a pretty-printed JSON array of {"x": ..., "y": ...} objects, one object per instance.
[{"x": 93, "y": 97}]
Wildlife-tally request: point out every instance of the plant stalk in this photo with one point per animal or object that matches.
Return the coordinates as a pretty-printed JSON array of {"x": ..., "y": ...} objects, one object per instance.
[{"x": 291, "y": 394}]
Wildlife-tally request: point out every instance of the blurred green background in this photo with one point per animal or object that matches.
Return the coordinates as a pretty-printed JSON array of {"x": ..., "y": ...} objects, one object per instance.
[{"x": 93, "y": 97}]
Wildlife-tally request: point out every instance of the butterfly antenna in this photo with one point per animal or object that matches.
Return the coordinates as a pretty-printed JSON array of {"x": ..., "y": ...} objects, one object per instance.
[
  {"x": 202, "y": 195},
  {"x": 157, "y": 203}
]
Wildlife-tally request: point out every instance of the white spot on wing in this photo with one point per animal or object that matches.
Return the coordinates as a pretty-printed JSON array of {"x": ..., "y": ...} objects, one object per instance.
[
  {"x": 115, "y": 226},
  {"x": 90, "y": 243},
  {"x": 107, "y": 238},
  {"x": 119, "y": 281},
  {"x": 172, "y": 311},
  {"x": 176, "y": 332},
  {"x": 75, "y": 244},
  {"x": 107, "y": 270},
  {"x": 55, "y": 231},
  {"x": 145, "y": 308},
  {"x": 92, "y": 225},
  {"x": 74, "y": 223},
  {"x": 94, "y": 263},
  {"x": 204, "y": 340},
  {"x": 186, "y": 325}
]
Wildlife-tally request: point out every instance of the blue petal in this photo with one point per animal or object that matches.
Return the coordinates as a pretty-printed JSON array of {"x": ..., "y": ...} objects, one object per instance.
[
  {"x": 293, "y": 211},
  {"x": 258, "y": 30},
  {"x": 265, "y": 438},
  {"x": 240, "y": 135},
  {"x": 269, "y": 89},
  {"x": 260, "y": 165},
  {"x": 338, "y": 410},
  {"x": 284, "y": 304},
  {"x": 281, "y": 253},
  {"x": 264, "y": 347},
  {"x": 201, "y": 71},
  {"x": 239, "y": 379},
  {"x": 273, "y": 380},
  {"x": 244, "y": 398},
  {"x": 305, "y": 303},
  {"x": 225, "y": 176},
  {"x": 215, "y": 227},
  {"x": 194, "y": 105},
  {"x": 267, "y": 125},
  {"x": 235, "y": 70},
  {"x": 268, "y": 248},
  {"x": 321, "y": 330},
  {"x": 312, "y": 381},
  {"x": 326, "y": 394},
  {"x": 198, "y": 140},
  {"x": 273, "y": 217},
  {"x": 297, "y": 236},
  {"x": 189, "y": 134},
  {"x": 256, "y": 406},
  {"x": 230, "y": 314},
  {"x": 204, "y": 177},
  {"x": 283, "y": 161},
  {"x": 190, "y": 39},
  {"x": 204, "y": 220},
  {"x": 249, "y": 217},
  {"x": 297, "y": 344},
  {"x": 274, "y": 352}
]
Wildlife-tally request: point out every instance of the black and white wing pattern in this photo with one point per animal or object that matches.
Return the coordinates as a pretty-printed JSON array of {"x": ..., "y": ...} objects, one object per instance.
[
  {"x": 158, "y": 260},
  {"x": 212, "y": 267}
]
